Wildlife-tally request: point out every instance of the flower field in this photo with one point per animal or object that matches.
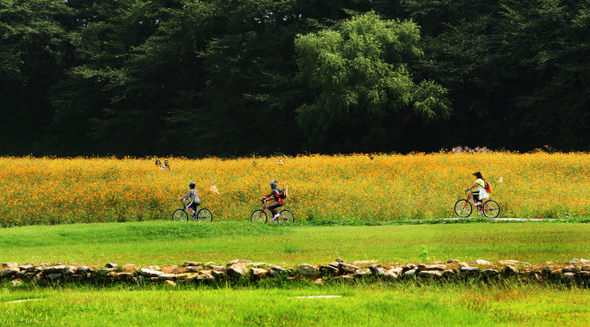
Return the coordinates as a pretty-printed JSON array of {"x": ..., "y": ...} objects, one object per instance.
[{"x": 389, "y": 187}]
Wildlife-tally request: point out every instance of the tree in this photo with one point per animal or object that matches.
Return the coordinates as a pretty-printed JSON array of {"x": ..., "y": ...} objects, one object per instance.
[
  {"x": 465, "y": 59},
  {"x": 34, "y": 49},
  {"x": 517, "y": 71},
  {"x": 365, "y": 92},
  {"x": 248, "y": 91},
  {"x": 109, "y": 103},
  {"x": 213, "y": 78},
  {"x": 548, "y": 44}
]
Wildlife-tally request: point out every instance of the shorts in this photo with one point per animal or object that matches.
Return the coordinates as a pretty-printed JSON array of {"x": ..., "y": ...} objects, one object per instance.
[
  {"x": 273, "y": 206},
  {"x": 193, "y": 205}
]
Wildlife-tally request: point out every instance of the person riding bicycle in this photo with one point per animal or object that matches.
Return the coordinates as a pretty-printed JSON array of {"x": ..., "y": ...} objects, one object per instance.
[
  {"x": 478, "y": 190},
  {"x": 279, "y": 201},
  {"x": 194, "y": 196}
]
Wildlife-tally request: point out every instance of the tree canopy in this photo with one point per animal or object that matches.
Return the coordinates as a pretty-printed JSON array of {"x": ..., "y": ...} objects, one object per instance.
[
  {"x": 241, "y": 77},
  {"x": 366, "y": 94}
]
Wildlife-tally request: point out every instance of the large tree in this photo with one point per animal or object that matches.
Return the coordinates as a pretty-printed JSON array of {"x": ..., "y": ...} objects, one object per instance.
[
  {"x": 365, "y": 91},
  {"x": 34, "y": 51},
  {"x": 111, "y": 102},
  {"x": 516, "y": 71},
  {"x": 547, "y": 43},
  {"x": 252, "y": 92}
]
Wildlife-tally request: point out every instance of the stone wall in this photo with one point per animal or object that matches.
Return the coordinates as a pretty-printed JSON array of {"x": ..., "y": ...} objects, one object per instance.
[{"x": 577, "y": 271}]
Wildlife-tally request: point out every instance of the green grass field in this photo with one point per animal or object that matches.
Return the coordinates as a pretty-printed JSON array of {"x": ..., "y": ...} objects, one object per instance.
[
  {"x": 274, "y": 304},
  {"x": 172, "y": 243},
  {"x": 361, "y": 305}
]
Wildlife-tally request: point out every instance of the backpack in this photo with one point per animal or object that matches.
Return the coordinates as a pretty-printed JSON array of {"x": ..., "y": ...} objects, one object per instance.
[
  {"x": 488, "y": 187},
  {"x": 282, "y": 193}
]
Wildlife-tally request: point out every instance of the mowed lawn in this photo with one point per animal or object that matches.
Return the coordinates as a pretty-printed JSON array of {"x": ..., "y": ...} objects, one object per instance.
[
  {"x": 397, "y": 304},
  {"x": 270, "y": 303},
  {"x": 172, "y": 243}
]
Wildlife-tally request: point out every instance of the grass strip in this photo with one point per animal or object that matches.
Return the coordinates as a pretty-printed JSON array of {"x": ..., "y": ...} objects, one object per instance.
[
  {"x": 172, "y": 243},
  {"x": 359, "y": 305}
]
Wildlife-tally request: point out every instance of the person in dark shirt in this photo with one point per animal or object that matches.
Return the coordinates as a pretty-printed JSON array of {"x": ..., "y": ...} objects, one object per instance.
[{"x": 279, "y": 201}]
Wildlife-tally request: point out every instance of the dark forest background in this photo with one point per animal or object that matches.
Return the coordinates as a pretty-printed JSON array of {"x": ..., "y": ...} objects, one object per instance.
[{"x": 240, "y": 77}]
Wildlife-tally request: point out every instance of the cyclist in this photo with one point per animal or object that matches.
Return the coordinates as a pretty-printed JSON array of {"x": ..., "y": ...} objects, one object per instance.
[
  {"x": 478, "y": 190},
  {"x": 194, "y": 196},
  {"x": 274, "y": 195}
]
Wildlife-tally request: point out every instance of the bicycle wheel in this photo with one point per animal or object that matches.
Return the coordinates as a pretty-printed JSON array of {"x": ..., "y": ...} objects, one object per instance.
[
  {"x": 286, "y": 217},
  {"x": 180, "y": 215},
  {"x": 258, "y": 216},
  {"x": 491, "y": 209},
  {"x": 463, "y": 208},
  {"x": 204, "y": 215}
]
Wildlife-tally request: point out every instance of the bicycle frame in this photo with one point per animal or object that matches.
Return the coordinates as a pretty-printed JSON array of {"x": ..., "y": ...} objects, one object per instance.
[
  {"x": 470, "y": 198},
  {"x": 284, "y": 215},
  {"x": 487, "y": 207},
  {"x": 185, "y": 208},
  {"x": 265, "y": 207},
  {"x": 472, "y": 201},
  {"x": 198, "y": 214}
]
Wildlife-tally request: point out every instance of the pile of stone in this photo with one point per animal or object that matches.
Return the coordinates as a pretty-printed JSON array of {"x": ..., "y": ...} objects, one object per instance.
[{"x": 577, "y": 271}]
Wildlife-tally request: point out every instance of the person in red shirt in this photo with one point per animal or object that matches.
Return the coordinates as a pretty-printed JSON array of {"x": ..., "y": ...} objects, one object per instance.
[{"x": 279, "y": 201}]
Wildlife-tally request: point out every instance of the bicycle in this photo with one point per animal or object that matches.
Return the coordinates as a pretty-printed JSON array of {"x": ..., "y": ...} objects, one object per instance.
[
  {"x": 261, "y": 215},
  {"x": 182, "y": 214},
  {"x": 464, "y": 207}
]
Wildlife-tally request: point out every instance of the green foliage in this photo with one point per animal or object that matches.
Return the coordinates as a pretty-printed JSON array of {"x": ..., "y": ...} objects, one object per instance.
[
  {"x": 424, "y": 255},
  {"x": 111, "y": 94},
  {"x": 35, "y": 48},
  {"x": 366, "y": 93},
  {"x": 251, "y": 90},
  {"x": 513, "y": 68},
  {"x": 550, "y": 41},
  {"x": 139, "y": 77}
]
